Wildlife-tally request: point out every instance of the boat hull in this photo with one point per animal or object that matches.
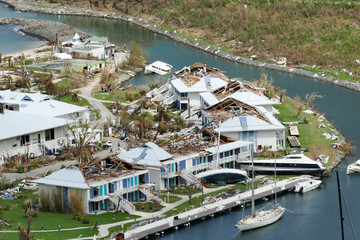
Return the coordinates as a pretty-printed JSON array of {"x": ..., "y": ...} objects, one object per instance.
[
  {"x": 283, "y": 171},
  {"x": 307, "y": 186},
  {"x": 262, "y": 221},
  {"x": 353, "y": 168}
]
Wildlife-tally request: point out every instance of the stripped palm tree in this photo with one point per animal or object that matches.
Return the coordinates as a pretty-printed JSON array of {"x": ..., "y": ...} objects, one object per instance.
[{"x": 310, "y": 98}]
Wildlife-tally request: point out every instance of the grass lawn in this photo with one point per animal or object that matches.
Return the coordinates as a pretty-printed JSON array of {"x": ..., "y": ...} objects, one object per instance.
[
  {"x": 51, "y": 221},
  {"x": 182, "y": 191},
  {"x": 82, "y": 101},
  {"x": 172, "y": 199},
  {"x": 122, "y": 95},
  {"x": 65, "y": 83},
  {"x": 310, "y": 135},
  {"x": 54, "y": 235},
  {"x": 148, "y": 207},
  {"x": 195, "y": 202}
]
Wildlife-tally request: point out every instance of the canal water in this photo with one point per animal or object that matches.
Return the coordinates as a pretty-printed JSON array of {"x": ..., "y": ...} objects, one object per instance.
[{"x": 314, "y": 215}]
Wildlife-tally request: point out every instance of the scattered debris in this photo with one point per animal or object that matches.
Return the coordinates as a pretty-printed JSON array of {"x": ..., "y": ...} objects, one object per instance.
[
  {"x": 321, "y": 118},
  {"x": 323, "y": 159},
  {"x": 308, "y": 111}
]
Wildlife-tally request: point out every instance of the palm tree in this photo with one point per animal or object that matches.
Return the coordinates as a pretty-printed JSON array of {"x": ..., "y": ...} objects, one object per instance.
[
  {"x": 310, "y": 98},
  {"x": 30, "y": 208}
]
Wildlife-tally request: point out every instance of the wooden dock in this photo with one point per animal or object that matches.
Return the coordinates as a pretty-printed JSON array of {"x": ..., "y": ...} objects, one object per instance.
[{"x": 185, "y": 218}]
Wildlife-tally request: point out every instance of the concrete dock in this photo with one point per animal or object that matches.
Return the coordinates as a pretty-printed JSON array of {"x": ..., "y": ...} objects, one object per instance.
[{"x": 185, "y": 218}]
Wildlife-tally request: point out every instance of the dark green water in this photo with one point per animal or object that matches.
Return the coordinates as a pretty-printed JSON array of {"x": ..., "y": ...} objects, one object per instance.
[{"x": 313, "y": 215}]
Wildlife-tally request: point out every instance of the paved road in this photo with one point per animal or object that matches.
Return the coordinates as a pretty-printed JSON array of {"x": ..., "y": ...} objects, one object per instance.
[
  {"x": 85, "y": 92},
  {"x": 38, "y": 171}
]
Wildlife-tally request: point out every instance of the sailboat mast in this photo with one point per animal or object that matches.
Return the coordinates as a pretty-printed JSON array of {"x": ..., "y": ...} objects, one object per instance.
[
  {"x": 340, "y": 205},
  {"x": 275, "y": 180},
  {"x": 252, "y": 183}
]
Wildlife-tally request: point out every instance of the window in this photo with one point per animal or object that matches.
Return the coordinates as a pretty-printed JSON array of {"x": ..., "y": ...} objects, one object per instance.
[
  {"x": 50, "y": 134},
  {"x": 183, "y": 94},
  {"x": 24, "y": 140}
]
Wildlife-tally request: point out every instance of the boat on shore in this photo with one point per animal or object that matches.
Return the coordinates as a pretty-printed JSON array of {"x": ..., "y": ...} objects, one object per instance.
[
  {"x": 297, "y": 164},
  {"x": 353, "y": 167},
  {"x": 158, "y": 67}
]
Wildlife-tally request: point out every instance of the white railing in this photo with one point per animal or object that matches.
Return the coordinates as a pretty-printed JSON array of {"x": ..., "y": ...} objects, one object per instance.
[
  {"x": 243, "y": 156},
  {"x": 169, "y": 100},
  {"x": 214, "y": 165},
  {"x": 188, "y": 176},
  {"x": 127, "y": 206},
  {"x": 121, "y": 191},
  {"x": 151, "y": 196}
]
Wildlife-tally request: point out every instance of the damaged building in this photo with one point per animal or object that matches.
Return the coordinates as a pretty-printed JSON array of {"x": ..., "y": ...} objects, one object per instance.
[{"x": 104, "y": 184}]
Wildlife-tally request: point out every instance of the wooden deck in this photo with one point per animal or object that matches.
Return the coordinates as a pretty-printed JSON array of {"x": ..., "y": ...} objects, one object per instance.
[
  {"x": 182, "y": 219},
  {"x": 294, "y": 142}
]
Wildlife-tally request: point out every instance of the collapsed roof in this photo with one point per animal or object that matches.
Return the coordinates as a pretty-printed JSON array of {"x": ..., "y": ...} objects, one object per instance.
[{"x": 191, "y": 75}]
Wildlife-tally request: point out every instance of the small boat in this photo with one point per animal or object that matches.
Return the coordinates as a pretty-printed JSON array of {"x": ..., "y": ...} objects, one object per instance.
[
  {"x": 158, "y": 67},
  {"x": 307, "y": 186},
  {"x": 353, "y": 167},
  {"x": 290, "y": 164},
  {"x": 261, "y": 218}
]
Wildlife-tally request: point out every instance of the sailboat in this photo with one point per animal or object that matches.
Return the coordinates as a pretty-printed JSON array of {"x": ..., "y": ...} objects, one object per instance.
[{"x": 260, "y": 218}]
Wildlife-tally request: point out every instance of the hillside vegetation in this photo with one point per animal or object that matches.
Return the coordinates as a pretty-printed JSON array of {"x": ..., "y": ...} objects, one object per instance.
[{"x": 321, "y": 33}]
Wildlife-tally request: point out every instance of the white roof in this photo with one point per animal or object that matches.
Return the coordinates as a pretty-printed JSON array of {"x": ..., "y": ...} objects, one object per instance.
[
  {"x": 148, "y": 155},
  {"x": 247, "y": 123},
  {"x": 251, "y": 98},
  {"x": 228, "y": 146},
  {"x": 13, "y": 123},
  {"x": 63, "y": 56},
  {"x": 70, "y": 177},
  {"x": 37, "y": 103},
  {"x": 207, "y": 83},
  {"x": 209, "y": 98}
]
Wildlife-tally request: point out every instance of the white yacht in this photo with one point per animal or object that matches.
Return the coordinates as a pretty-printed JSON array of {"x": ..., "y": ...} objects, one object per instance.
[
  {"x": 158, "y": 67},
  {"x": 290, "y": 164},
  {"x": 307, "y": 186},
  {"x": 353, "y": 167}
]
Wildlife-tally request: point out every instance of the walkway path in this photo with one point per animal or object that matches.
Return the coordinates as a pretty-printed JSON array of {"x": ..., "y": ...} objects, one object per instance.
[{"x": 85, "y": 92}]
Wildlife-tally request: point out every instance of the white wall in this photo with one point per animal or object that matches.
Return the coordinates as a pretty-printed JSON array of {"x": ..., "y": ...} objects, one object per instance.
[{"x": 11, "y": 146}]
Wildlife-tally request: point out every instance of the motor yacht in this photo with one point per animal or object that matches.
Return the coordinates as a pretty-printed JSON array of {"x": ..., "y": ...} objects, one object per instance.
[
  {"x": 290, "y": 164},
  {"x": 158, "y": 67}
]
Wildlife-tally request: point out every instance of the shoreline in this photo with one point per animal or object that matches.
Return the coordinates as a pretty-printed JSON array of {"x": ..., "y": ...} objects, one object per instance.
[
  {"x": 339, "y": 156},
  {"x": 24, "y": 7}
]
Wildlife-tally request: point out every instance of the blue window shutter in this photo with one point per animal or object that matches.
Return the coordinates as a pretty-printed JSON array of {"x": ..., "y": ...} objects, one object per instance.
[
  {"x": 182, "y": 165},
  {"x": 105, "y": 189},
  {"x": 101, "y": 190},
  {"x": 132, "y": 181},
  {"x": 136, "y": 180},
  {"x": 115, "y": 186},
  {"x": 124, "y": 183},
  {"x": 90, "y": 207},
  {"x": 162, "y": 169},
  {"x": 91, "y": 193},
  {"x": 221, "y": 155},
  {"x": 146, "y": 177}
]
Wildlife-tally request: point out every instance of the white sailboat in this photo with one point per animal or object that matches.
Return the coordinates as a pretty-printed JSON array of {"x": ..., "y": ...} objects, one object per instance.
[{"x": 260, "y": 218}]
